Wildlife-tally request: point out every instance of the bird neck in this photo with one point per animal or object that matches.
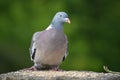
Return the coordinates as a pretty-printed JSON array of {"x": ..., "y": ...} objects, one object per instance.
[{"x": 57, "y": 25}]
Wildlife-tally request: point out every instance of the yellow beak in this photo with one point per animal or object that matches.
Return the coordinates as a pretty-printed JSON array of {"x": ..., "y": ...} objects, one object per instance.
[{"x": 67, "y": 20}]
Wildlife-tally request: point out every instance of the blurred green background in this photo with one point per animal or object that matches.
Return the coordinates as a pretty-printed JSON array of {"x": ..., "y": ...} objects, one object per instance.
[{"x": 94, "y": 34}]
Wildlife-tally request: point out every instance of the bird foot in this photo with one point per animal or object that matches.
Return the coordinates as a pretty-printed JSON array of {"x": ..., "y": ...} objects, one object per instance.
[
  {"x": 56, "y": 69},
  {"x": 33, "y": 68}
]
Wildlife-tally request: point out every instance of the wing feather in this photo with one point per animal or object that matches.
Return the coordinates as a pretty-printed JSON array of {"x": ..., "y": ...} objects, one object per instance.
[
  {"x": 32, "y": 48},
  {"x": 67, "y": 52}
]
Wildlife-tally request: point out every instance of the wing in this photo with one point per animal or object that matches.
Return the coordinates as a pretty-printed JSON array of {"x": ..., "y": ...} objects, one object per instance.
[
  {"x": 32, "y": 48},
  {"x": 66, "y": 53}
]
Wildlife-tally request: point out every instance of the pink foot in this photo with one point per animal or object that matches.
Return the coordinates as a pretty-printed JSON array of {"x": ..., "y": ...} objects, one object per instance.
[
  {"x": 56, "y": 68},
  {"x": 33, "y": 68}
]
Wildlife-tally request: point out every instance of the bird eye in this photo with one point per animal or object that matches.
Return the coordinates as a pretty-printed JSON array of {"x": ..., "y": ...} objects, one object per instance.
[{"x": 60, "y": 15}]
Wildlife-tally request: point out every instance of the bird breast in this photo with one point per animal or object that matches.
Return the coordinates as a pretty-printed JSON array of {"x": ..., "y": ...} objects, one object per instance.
[{"x": 52, "y": 47}]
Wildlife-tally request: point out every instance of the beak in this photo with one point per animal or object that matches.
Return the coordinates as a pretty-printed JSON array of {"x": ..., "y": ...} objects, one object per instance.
[{"x": 67, "y": 20}]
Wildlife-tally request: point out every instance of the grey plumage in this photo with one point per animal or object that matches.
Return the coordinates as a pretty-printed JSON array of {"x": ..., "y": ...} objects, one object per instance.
[{"x": 49, "y": 47}]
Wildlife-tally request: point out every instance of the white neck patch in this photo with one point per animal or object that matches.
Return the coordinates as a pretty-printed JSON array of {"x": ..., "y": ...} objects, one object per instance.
[{"x": 49, "y": 27}]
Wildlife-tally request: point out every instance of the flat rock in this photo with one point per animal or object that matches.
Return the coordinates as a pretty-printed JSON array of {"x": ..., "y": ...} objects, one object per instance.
[{"x": 58, "y": 75}]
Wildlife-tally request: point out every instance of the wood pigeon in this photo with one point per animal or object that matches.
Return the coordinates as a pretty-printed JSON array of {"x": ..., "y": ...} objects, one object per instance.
[{"x": 49, "y": 47}]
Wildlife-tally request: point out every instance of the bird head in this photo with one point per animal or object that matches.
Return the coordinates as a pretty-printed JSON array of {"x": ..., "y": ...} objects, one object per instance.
[{"x": 60, "y": 18}]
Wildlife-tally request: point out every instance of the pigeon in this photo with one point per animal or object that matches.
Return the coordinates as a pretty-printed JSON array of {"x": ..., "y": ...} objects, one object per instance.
[{"x": 50, "y": 47}]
